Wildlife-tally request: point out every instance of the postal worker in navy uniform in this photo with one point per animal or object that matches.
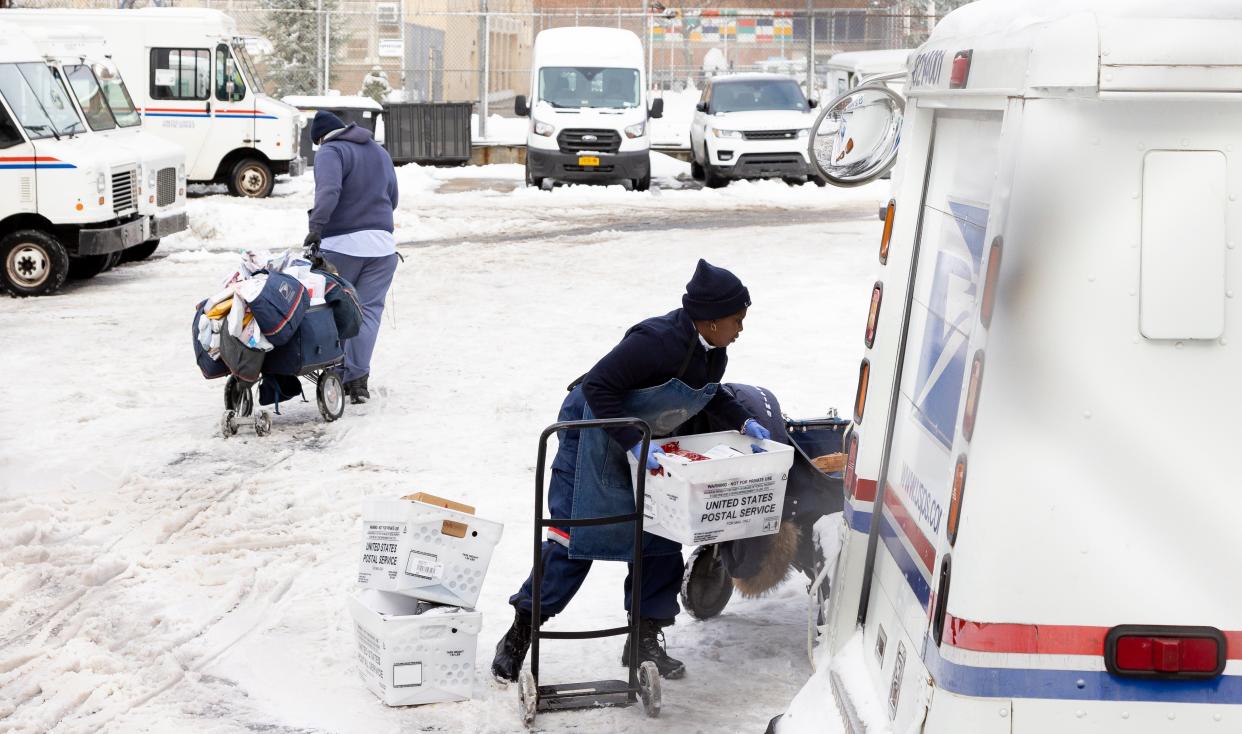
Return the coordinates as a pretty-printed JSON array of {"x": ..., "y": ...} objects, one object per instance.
[{"x": 665, "y": 371}]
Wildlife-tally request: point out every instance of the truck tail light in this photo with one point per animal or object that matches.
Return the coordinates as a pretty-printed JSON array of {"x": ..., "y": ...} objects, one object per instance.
[
  {"x": 955, "y": 499},
  {"x": 972, "y": 396},
  {"x": 890, "y": 213},
  {"x": 860, "y": 397},
  {"x": 851, "y": 465},
  {"x": 989, "y": 285},
  {"x": 1160, "y": 651},
  {"x": 961, "y": 69},
  {"x": 873, "y": 315}
]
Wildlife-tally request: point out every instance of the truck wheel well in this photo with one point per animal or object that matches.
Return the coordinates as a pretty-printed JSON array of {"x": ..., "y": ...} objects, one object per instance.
[
  {"x": 26, "y": 220},
  {"x": 230, "y": 160}
]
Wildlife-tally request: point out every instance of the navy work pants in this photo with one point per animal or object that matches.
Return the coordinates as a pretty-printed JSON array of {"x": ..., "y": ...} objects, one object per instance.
[{"x": 371, "y": 278}]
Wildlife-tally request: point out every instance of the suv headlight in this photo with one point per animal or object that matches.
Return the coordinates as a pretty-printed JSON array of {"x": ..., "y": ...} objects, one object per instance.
[
  {"x": 804, "y": 132},
  {"x": 636, "y": 130},
  {"x": 726, "y": 133},
  {"x": 543, "y": 128}
]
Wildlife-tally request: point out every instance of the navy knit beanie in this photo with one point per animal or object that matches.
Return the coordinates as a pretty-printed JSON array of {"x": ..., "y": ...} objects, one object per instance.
[
  {"x": 713, "y": 293},
  {"x": 324, "y": 123}
]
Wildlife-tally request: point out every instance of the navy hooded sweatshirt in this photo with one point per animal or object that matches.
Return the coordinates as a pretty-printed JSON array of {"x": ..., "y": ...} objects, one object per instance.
[
  {"x": 355, "y": 185},
  {"x": 649, "y": 355}
]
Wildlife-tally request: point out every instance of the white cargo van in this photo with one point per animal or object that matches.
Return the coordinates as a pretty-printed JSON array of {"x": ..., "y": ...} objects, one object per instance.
[
  {"x": 849, "y": 69},
  {"x": 84, "y": 61},
  {"x": 195, "y": 85},
  {"x": 588, "y": 109},
  {"x": 64, "y": 197},
  {"x": 1042, "y": 484}
]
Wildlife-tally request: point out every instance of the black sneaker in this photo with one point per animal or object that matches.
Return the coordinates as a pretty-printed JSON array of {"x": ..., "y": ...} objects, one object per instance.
[
  {"x": 512, "y": 648},
  {"x": 357, "y": 390},
  {"x": 651, "y": 647}
]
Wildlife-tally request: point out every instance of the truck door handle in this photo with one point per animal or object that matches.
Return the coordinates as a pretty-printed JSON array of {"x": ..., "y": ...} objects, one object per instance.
[{"x": 208, "y": 107}]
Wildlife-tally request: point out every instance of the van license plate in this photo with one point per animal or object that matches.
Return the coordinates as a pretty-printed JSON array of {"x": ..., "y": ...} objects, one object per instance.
[{"x": 588, "y": 161}]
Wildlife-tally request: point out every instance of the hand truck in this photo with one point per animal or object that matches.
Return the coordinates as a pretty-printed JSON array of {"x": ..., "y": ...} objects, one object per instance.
[{"x": 644, "y": 680}]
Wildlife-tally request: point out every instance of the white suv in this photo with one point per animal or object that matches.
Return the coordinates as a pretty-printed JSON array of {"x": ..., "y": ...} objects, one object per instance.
[{"x": 751, "y": 126}]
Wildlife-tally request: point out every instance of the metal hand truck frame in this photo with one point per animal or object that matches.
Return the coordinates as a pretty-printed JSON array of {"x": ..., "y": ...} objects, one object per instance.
[{"x": 644, "y": 679}]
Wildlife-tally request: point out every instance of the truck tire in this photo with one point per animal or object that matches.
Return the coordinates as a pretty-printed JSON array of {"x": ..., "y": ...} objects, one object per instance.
[
  {"x": 251, "y": 178},
  {"x": 642, "y": 184},
  {"x": 32, "y": 263},
  {"x": 533, "y": 181},
  {"x": 88, "y": 266},
  {"x": 141, "y": 252}
]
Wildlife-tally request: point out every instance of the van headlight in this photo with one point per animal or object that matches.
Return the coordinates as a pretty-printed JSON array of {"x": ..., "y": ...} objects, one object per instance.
[
  {"x": 726, "y": 133},
  {"x": 804, "y": 132},
  {"x": 151, "y": 181},
  {"x": 181, "y": 174},
  {"x": 543, "y": 128},
  {"x": 636, "y": 130},
  {"x": 101, "y": 182}
]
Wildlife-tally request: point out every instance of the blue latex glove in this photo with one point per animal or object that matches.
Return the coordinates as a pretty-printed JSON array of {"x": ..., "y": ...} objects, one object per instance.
[
  {"x": 652, "y": 450},
  {"x": 755, "y": 429}
]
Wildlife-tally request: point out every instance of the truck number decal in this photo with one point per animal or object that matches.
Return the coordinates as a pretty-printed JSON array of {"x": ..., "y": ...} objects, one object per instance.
[{"x": 927, "y": 68}]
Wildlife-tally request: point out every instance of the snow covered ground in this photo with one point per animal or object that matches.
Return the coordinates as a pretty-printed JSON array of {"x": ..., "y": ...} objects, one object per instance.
[{"x": 159, "y": 578}]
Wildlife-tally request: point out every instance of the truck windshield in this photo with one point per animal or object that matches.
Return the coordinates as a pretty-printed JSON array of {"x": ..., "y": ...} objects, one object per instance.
[
  {"x": 252, "y": 74},
  {"x": 760, "y": 94},
  {"x": 584, "y": 86},
  {"x": 90, "y": 97},
  {"x": 39, "y": 100},
  {"x": 116, "y": 94}
]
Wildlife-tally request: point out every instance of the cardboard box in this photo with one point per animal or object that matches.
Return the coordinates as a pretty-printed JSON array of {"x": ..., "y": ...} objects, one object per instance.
[
  {"x": 425, "y": 551},
  {"x": 698, "y": 502},
  {"x": 413, "y": 652}
]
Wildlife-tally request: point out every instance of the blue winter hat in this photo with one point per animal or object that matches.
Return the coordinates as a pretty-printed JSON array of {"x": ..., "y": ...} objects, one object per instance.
[
  {"x": 713, "y": 293},
  {"x": 324, "y": 123}
]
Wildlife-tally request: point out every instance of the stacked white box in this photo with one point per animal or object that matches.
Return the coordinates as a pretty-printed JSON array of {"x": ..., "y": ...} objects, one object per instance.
[
  {"x": 712, "y": 501},
  {"x": 425, "y": 551},
  {"x": 413, "y": 652}
]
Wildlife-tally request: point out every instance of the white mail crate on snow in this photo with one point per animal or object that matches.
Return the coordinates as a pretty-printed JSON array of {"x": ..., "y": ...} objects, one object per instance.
[
  {"x": 425, "y": 551},
  {"x": 739, "y": 496},
  {"x": 412, "y": 652}
]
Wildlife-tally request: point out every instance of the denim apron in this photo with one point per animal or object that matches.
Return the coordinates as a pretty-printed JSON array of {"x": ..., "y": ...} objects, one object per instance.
[{"x": 602, "y": 482}]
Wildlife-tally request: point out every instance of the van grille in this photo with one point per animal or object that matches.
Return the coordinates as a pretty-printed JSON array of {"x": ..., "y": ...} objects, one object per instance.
[
  {"x": 166, "y": 186},
  {"x": 770, "y": 134},
  {"x": 603, "y": 141},
  {"x": 123, "y": 192}
]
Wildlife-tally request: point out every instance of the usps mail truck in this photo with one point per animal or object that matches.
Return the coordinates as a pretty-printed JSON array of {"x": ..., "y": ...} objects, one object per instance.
[
  {"x": 84, "y": 61},
  {"x": 1043, "y": 479},
  {"x": 67, "y": 200},
  {"x": 195, "y": 85}
]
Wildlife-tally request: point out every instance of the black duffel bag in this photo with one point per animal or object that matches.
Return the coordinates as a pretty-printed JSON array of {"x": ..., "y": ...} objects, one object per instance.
[{"x": 315, "y": 345}]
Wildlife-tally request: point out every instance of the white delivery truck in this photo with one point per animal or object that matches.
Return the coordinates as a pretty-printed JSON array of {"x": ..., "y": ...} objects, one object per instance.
[
  {"x": 849, "y": 69},
  {"x": 65, "y": 198},
  {"x": 84, "y": 62},
  {"x": 751, "y": 126},
  {"x": 195, "y": 85},
  {"x": 588, "y": 109},
  {"x": 1042, "y": 484}
]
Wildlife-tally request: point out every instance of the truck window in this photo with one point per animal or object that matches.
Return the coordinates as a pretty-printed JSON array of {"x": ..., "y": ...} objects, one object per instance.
[
  {"x": 9, "y": 134},
  {"x": 251, "y": 73},
  {"x": 222, "y": 77},
  {"x": 581, "y": 86},
  {"x": 38, "y": 100},
  {"x": 180, "y": 73},
  {"x": 116, "y": 94},
  {"x": 90, "y": 97}
]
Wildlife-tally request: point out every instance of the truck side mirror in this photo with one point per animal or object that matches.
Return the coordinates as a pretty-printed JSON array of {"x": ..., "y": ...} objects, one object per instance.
[
  {"x": 856, "y": 136},
  {"x": 657, "y": 108},
  {"x": 701, "y": 107},
  {"x": 520, "y": 108}
]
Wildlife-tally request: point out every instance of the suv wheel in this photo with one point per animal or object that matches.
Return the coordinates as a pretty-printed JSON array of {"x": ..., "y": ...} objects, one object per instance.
[
  {"x": 711, "y": 179},
  {"x": 696, "y": 168},
  {"x": 32, "y": 263}
]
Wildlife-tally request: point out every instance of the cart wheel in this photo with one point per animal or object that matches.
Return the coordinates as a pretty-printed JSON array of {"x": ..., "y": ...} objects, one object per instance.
[
  {"x": 528, "y": 697},
  {"x": 262, "y": 423},
  {"x": 237, "y": 397},
  {"x": 330, "y": 395},
  {"x": 649, "y": 688},
  {"x": 706, "y": 587},
  {"x": 228, "y": 423}
]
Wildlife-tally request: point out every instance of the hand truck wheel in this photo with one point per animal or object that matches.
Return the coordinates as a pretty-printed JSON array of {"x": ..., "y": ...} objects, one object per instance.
[
  {"x": 649, "y": 688},
  {"x": 330, "y": 395},
  {"x": 528, "y": 697},
  {"x": 237, "y": 397},
  {"x": 262, "y": 423},
  {"x": 228, "y": 423},
  {"x": 706, "y": 587}
]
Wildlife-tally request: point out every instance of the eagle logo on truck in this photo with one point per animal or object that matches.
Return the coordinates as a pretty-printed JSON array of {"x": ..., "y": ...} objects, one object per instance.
[{"x": 950, "y": 313}]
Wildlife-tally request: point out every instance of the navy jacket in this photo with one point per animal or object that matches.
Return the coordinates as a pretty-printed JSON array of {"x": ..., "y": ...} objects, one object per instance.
[
  {"x": 650, "y": 354},
  {"x": 355, "y": 185}
]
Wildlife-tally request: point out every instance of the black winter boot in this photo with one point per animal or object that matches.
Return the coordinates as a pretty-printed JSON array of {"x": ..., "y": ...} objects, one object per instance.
[
  {"x": 651, "y": 647},
  {"x": 512, "y": 648},
  {"x": 357, "y": 390}
]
